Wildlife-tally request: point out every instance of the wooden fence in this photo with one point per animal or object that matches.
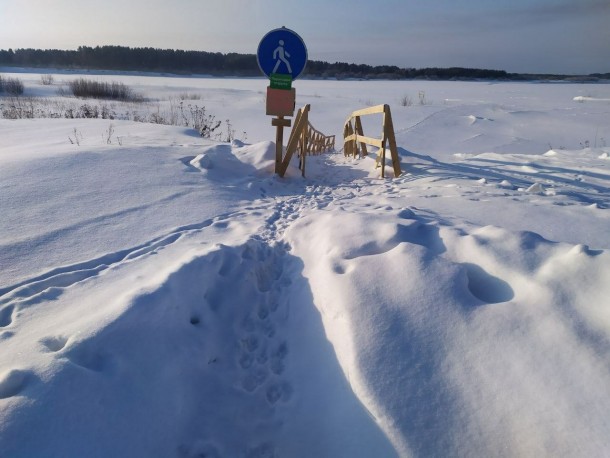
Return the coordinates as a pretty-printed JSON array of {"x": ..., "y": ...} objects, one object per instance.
[
  {"x": 317, "y": 142},
  {"x": 354, "y": 140},
  {"x": 305, "y": 140}
]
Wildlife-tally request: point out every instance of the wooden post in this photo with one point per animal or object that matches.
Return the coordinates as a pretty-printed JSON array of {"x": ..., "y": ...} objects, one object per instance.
[
  {"x": 389, "y": 127},
  {"x": 384, "y": 138},
  {"x": 349, "y": 149},
  {"x": 279, "y": 142},
  {"x": 279, "y": 123},
  {"x": 303, "y": 151},
  {"x": 359, "y": 131}
]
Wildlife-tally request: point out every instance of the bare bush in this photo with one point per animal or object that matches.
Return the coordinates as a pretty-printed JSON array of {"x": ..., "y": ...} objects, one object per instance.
[
  {"x": 13, "y": 86},
  {"x": 99, "y": 90},
  {"x": 107, "y": 113},
  {"x": 177, "y": 114},
  {"x": 157, "y": 118},
  {"x": 189, "y": 96},
  {"x": 46, "y": 80},
  {"x": 18, "y": 108},
  {"x": 108, "y": 134},
  {"x": 230, "y": 136},
  {"x": 406, "y": 101},
  {"x": 77, "y": 137}
]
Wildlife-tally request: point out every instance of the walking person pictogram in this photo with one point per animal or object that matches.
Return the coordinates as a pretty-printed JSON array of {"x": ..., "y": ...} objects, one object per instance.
[
  {"x": 281, "y": 55},
  {"x": 281, "y": 52}
]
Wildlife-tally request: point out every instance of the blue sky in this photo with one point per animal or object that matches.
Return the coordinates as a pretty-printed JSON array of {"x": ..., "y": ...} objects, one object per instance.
[{"x": 552, "y": 36}]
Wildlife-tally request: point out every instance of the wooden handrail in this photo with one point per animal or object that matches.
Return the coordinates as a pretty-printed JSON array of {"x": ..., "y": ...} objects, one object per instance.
[
  {"x": 353, "y": 136},
  {"x": 305, "y": 140},
  {"x": 317, "y": 142}
]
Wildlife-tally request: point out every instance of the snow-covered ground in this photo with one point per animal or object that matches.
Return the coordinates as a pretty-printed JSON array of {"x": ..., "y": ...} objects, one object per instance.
[{"x": 166, "y": 295}]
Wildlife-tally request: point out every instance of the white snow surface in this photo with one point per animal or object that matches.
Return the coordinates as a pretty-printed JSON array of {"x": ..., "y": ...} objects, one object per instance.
[{"x": 166, "y": 295}]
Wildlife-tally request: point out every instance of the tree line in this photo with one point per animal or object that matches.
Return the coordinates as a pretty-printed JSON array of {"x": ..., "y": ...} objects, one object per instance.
[
  {"x": 123, "y": 58},
  {"x": 132, "y": 59}
]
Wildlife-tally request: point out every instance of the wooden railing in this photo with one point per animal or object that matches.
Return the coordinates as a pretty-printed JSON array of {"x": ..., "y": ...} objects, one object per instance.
[
  {"x": 353, "y": 137},
  {"x": 305, "y": 140},
  {"x": 317, "y": 142}
]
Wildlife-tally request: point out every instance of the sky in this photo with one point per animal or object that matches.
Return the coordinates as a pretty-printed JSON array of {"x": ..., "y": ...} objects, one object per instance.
[{"x": 537, "y": 36}]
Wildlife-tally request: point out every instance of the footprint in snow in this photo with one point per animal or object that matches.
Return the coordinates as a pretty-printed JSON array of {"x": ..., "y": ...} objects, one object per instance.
[
  {"x": 250, "y": 343},
  {"x": 88, "y": 358},
  {"x": 486, "y": 287},
  {"x": 6, "y": 335},
  {"x": 246, "y": 361},
  {"x": 278, "y": 392},
  {"x": 277, "y": 364},
  {"x": 255, "y": 378},
  {"x": 6, "y": 316},
  {"x": 14, "y": 382},
  {"x": 230, "y": 261},
  {"x": 54, "y": 344}
]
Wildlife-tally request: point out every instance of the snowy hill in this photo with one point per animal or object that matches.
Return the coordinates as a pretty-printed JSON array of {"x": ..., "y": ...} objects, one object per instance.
[{"x": 166, "y": 295}]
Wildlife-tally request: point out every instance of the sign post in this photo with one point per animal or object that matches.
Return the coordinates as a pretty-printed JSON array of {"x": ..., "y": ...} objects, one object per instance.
[{"x": 282, "y": 56}]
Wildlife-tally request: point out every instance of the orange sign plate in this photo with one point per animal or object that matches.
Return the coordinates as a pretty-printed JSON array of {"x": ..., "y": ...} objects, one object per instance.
[{"x": 280, "y": 102}]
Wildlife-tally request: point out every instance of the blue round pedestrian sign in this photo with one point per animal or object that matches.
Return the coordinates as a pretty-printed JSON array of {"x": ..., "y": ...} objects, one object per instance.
[{"x": 282, "y": 51}]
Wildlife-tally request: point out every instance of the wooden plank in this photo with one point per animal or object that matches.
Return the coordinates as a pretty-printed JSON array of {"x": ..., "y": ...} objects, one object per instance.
[
  {"x": 281, "y": 122},
  {"x": 360, "y": 132},
  {"x": 383, "y": 161},
  {"x": 347, "y": 142},
  {"x": 279, "y": 141},
  {"x": 367, "y": 111},
  {"x": 293, "y": 133},
  {"x": 384, "y": 139},
  {"x": 304, "y": 149},
  {"x": 297, "y": 119},
  {"x": 298, "y": 128},
  {"x": 389, "y": 130},
  {"x": 351, "y": 142},
  {"x": 368, "y": 140}
]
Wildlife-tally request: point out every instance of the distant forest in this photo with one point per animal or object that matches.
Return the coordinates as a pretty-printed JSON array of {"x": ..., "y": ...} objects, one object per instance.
[{"x": 122, "y": 58}]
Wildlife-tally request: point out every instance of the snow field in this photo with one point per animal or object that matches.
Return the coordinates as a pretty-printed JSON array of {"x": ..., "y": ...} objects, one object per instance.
[{"x": 169, "y": 296}]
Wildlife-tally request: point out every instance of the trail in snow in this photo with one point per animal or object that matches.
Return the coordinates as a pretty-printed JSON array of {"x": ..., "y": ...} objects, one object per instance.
[
  {"x": 26, "y": 292},
  {"x": 235, "y": 324}
]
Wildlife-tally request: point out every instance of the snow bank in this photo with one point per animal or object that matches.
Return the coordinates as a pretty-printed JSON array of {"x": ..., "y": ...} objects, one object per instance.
[
  {"x": 461, "y": 343},
  {"x": 581, "y": 99}
]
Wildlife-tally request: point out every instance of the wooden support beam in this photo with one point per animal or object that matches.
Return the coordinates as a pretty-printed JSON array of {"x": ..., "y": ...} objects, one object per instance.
[
  {"x": 299, "y": 125},
  {"x": 389, "y": 130},
  {"x": 360, "y": 132},
  {"x": 348, "y": 139}
]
